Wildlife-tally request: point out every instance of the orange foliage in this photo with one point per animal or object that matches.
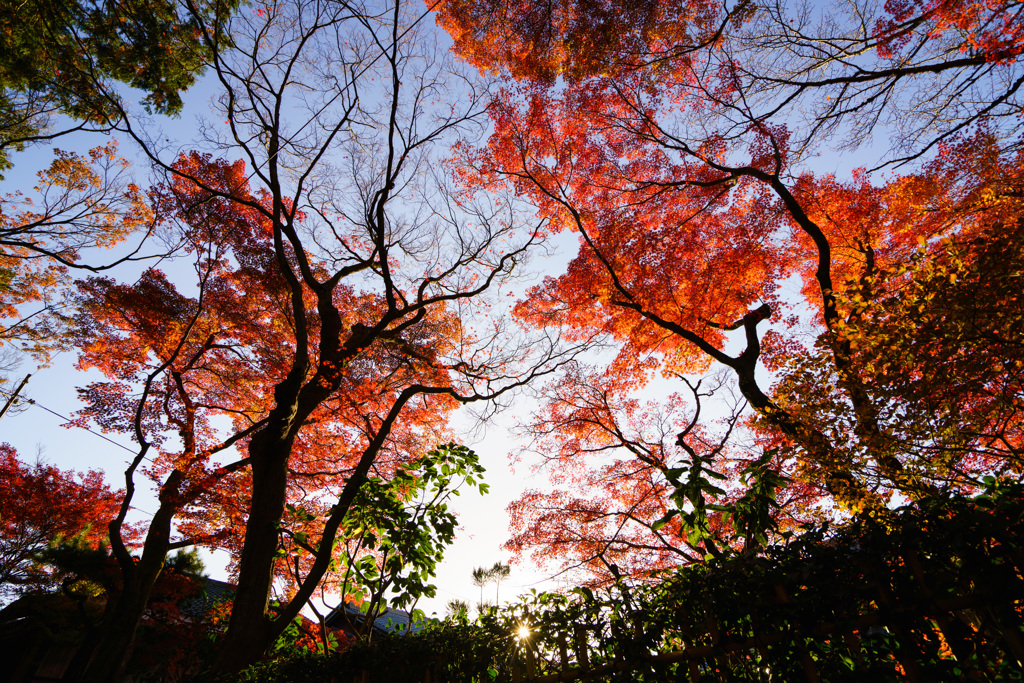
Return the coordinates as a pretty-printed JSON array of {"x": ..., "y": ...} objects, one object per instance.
[
  {"x": 80, "y": 203},
  {"x": 41, "y": 504},
  {"x": 611, "y": 459},
  {"x": 994, "y": 28},
  {"x": 676, "y": 239},
  {"x": 574, "y": 38},
  {"x": 673, "y": 165},
  {"x": 211, "y": 363}
]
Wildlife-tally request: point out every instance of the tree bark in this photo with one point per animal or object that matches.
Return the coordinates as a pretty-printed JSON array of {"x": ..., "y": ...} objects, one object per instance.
[
  {"x": 120, "y": 624},
  {"x": 250, "y": 629}
]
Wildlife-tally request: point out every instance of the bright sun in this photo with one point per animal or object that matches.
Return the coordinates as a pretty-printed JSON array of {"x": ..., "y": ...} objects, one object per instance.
[{"x": 523, "y": 632}]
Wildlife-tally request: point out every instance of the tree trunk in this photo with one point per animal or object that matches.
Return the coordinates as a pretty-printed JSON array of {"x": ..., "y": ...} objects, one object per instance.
[
  {"x": 250, "y": 629},
  {"x": 117, "y": 639},
  {"x": 117, "y": 636}
]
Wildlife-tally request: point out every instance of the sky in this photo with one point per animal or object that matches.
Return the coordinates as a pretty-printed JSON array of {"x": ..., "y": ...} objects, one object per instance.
[
  {"x": 482, "y": 518},
  {"x": 42, "y": 428}
]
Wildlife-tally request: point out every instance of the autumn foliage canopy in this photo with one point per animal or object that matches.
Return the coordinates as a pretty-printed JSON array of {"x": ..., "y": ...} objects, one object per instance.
[
  {"x": 42, "y": 505},
  {"x": 682, "y": 155},
  {"x": 773, "y": 315}
]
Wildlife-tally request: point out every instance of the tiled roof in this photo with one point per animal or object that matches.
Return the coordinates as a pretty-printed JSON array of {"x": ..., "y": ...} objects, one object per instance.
[
  {"x": 214, "y": 591},
  {"x": 389, "y": 621},
  {"x": 219, "y": 590}
]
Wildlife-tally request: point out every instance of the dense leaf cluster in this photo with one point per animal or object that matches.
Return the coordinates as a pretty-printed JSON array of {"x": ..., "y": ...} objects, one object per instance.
[
  {"x": 77, "y": 504},
  {"x": 397, "y": 533},
  {"x": 927, "y": 592}
]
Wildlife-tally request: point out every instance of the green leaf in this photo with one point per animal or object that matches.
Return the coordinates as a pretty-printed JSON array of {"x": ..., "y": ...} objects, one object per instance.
[{"x": 664, "y": 519}]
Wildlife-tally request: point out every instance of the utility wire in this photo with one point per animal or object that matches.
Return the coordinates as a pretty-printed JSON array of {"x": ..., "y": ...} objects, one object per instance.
[{"x": 67, "y": 419}]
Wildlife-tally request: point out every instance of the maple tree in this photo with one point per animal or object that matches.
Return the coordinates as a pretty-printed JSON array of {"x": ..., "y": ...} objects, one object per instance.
[
  {"x": 81, "y": 202},
  {"x": 221, "y": 353},
  {"x": 621, "y": 455},
  {"x": 932, "y": 68},
  {"x": 42, "y": 504},
  {"x": 331, "y": 324},
  {"x": 575, "y": 39},
  {"x": 682, "y": 169},
  {"x": 329, "y": 328},
  {"x": 930, "y": 320}
]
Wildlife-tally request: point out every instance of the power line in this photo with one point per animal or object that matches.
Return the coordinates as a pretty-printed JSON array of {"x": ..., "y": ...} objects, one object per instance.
[
  {"x": 458, "y": 595},
  {"x": 67, "y": 419}
]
